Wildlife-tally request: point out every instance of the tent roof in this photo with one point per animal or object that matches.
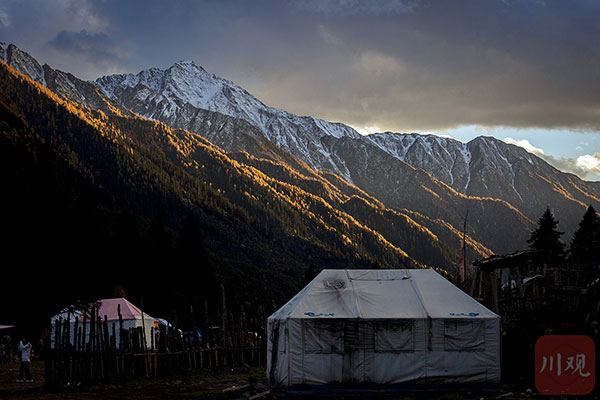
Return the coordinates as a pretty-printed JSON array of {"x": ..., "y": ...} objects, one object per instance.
[
  {"x": 108, "y": 308},
  {"x": 375, "y": 294}
]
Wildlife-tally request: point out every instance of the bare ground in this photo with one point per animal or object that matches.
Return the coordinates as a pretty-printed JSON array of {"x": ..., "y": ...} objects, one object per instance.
[
  {"x": 194, "y": 385},
  {"x": 222, "y": 384}
]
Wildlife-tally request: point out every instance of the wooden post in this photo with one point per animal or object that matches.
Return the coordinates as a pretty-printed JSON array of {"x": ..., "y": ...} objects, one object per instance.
[
  {"x": 93, "y": 328},
  {"x": 57, "y": 339},
  {"x": 68, "y": 330},
  {"x": 120, "y": 327},
  {"x": 205, "y": 325},
  {"x": 143, "y": 338},
  {"x": 494, "y": 283},
  {"x": 224, "y": 322},
  {"x": 84, "y": 336},
  {"x": 143, "y": 324},
  {"x": 99, "y": 334},
  {"x": 106, "y": 335},
  {"x": 76, "y": 334},
  {"x": 194, "y": 339},
  {"x": 113, "y": 339},
  {"x": 244, "y": 323}
]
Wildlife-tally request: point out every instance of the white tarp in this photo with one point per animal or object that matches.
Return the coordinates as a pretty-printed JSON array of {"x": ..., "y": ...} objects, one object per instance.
[{"x": 385, "y": 327}]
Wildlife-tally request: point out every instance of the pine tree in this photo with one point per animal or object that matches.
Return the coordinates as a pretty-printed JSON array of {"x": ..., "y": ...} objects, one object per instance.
[
  {"x": 585, "y": 246},
  {"x": 547, "y": 238}
]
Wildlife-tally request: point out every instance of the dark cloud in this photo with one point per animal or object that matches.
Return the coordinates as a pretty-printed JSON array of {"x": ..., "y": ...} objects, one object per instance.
[
  {"x": 401, "y": 65},
  {"x": 95, "y": 53},
  {"x": 343, "y": 8},
  {"x": 96, "y": 47}
]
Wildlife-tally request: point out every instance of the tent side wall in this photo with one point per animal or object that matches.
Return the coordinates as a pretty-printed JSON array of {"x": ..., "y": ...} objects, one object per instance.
[
  {"x": 323, "y": 351},
  {"x": 382, "y": 351},
  {"x": 465, "y": 351}
]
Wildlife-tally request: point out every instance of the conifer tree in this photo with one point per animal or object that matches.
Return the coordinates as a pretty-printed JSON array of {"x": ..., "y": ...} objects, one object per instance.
[
  {"x": 547, "y": 238},
  {"x": 585, "y": 246}
]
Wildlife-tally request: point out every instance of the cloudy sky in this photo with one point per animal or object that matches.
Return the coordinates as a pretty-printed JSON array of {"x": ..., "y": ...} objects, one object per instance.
[{"x": 525, "y": 71}]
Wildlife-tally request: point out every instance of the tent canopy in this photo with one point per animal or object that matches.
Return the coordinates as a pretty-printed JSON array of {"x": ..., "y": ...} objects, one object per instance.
[
  {"x": 390, "y": 294},
  {"x": 108, "y": 308}
]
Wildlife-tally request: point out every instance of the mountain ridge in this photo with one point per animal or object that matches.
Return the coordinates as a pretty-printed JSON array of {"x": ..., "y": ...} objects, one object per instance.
[
  {"x": 482, "y": 168},
  {"x": 458, "y": 177},
  {"x": 138, "y": 137}
]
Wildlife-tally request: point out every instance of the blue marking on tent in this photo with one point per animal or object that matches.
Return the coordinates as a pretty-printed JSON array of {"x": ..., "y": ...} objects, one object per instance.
[
  {"x": 462, "y": 314},
  {"x": 312, "y": 314}
]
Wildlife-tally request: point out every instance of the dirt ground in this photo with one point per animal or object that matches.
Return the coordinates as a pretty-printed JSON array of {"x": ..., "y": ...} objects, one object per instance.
[
  {"x": 223, "y": 384},
  {"x": 196, "y": 385}
]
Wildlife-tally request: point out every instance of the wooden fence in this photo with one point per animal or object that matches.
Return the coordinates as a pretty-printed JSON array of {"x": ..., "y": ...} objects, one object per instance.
[
  {"x": 96, "y": 351},
  {"x": 67, "y": 368}
]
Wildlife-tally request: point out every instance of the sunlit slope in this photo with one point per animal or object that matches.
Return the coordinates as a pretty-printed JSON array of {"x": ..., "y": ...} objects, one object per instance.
[{"x": 148, "y": 166}]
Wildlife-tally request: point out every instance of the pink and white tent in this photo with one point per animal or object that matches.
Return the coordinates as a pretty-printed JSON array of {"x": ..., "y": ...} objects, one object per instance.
[{"x": 132, "y": 318}]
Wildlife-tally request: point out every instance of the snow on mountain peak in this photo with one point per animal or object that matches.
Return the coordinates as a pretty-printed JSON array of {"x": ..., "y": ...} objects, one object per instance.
[{"x": 187, "y": 83}]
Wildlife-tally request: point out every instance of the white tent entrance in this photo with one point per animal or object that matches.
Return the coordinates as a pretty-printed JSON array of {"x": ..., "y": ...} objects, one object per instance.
[{"x": 382, "y": 327}]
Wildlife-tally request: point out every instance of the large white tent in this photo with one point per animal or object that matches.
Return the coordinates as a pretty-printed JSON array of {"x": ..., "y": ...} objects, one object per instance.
[
  {"x": 382, "y": 327},
  {"x": 131, "y": 315}
]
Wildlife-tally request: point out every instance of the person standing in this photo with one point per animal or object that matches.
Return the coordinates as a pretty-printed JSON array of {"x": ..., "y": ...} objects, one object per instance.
[{"x": 25, "y": 349}]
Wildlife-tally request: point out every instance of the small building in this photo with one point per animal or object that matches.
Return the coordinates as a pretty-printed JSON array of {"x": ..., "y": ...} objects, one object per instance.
[
  {"x": 382, "y": 327},
  {"x": 108, "y": 309}
]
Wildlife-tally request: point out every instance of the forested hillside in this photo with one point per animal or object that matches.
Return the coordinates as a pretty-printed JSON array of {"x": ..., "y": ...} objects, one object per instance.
[{"x": 97, "y": 205}]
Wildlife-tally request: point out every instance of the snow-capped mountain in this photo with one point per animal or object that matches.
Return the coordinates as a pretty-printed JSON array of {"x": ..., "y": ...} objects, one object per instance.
[
  {"x": 483, "y": 168},
  {"x": 174, "y": 95},
  {"x": 500, "y": 185},
  {"x": 488, "y": 167}
]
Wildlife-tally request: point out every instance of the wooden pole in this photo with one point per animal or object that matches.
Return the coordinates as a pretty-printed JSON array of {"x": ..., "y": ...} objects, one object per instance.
[
  {"x": 205, "y": 325},
  {"x": 193, "y": 342},
  {"x": 120, "y": 327},
  {"x": 83, "y": 337},
  {"x": 76, "y": 334},
  {"x": 224, "y": 322}
]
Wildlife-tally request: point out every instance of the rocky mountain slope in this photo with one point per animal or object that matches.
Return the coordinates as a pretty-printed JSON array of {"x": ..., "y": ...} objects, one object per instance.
[
  {"x": 166, "y": 95},
  {"x": 239, "y": 138},
  {"x": 81, "y": 187},
  {"x": 286, "y": 191},
  {"x": 501, "y": 186},
  {"x": 482, "y": 172},
  {"x": 488, "y": 167}
]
